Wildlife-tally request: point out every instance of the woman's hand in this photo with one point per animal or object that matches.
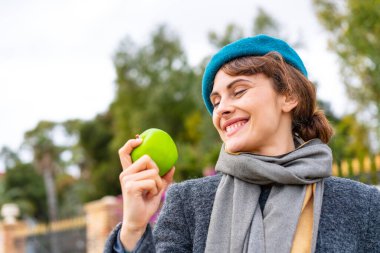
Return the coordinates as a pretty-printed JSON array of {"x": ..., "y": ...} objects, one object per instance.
[{"x": 142, "y": 188}]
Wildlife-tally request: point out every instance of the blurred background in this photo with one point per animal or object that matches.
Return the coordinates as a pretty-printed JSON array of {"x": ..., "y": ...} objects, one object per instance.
[{"x": 79, "y": 78}]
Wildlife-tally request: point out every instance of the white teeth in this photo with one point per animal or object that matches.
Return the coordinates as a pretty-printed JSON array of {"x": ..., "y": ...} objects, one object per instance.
[{"x": 233, "y": 126}]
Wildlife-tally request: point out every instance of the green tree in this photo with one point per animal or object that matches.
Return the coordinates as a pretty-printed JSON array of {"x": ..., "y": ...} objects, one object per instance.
[
  {"x": 25, "y": 187},
  {"x": 231, "y": 33},
  {"x": 350, "y": 140},
  {"x": 354, "y": 35},
  {"x": 265, "y": 24},
  {"x": 46, "y": 159},
  {"x": 45, "y": 155},
  {"x": 98, "y": 162},
  {"x": 156, "y": 87},
  {"x": 21, "y": 184}
]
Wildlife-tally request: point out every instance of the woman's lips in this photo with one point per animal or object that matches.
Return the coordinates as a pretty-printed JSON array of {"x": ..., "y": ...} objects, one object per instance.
[{"x": 235, "y": 127}]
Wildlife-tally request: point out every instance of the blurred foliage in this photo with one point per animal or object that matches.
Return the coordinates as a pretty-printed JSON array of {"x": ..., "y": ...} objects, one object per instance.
[
  {"x": 231, "y": 33},
  {"x": 265, "y": 24},
  {"x": 45, "y": 159},
  {"x": 99, "y": 165},
  {"x": 354, "y": 31},
  {"x": 350, "y": 140},
  {"x": 155, "y": 87},
  {"x": 24, "y": 186}
]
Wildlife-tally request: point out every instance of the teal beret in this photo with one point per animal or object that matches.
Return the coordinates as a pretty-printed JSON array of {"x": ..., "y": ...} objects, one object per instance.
[{"x": 253, "y": 46}]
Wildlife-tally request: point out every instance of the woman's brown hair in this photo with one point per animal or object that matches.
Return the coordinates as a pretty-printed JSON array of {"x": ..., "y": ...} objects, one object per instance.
[{"x": 308, "y": 121}]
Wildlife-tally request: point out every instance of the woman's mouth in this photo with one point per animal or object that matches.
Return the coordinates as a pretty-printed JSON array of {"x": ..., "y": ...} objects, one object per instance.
[{"x": 235, "y": 127}]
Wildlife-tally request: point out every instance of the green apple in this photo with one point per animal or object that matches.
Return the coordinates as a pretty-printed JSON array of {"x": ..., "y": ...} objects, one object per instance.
[{"x": 159, "y": 146}]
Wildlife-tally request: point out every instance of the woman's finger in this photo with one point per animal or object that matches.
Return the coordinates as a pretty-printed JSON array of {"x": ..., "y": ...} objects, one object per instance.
[
  {"x": 143, "y": 163},
  {"x": 126, "y": 150},
  {"x": 143, "y": 175},
  {"x": 142, "y": 187},
  {"x": 168, "y": 178}
]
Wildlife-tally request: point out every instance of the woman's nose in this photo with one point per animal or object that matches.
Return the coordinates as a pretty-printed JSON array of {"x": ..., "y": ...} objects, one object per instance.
[{"x": 224, "y": 107}]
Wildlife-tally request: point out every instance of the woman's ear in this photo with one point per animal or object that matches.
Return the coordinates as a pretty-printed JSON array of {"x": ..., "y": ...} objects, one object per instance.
[{"x": 289, "y": 103}]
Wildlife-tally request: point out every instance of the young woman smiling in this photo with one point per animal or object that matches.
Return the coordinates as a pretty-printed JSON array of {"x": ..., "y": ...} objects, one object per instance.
[{"x": 273, "y": 191}]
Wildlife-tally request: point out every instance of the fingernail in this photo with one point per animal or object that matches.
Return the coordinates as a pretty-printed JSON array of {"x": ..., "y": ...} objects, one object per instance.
[{"x": 137, "y": 136}]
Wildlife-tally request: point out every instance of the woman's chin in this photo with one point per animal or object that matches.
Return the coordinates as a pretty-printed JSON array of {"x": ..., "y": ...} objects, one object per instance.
[{"x": 232, "y": 148}]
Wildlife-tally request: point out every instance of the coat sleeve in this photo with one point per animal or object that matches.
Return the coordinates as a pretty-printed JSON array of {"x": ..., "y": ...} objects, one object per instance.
[
  {"x": 171, "y": 233},
  {"x": 145, "y": 244},
  {"x": 112, "y": 240},
  {"x": 373, "y": 234}
]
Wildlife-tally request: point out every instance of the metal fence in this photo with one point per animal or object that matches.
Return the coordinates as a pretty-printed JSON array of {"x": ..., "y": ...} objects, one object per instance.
[
  {"x": 366, "y": 170},
  {"x": 65, "y": 236},
  {"x": 69, "y": 241}
]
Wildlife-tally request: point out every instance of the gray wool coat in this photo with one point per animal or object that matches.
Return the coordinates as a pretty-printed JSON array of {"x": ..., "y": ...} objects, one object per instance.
[{"x": 349, "y": 222}]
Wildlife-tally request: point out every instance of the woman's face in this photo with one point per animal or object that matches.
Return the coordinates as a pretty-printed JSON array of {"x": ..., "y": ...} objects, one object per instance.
[{"x": 250, "y": 116}]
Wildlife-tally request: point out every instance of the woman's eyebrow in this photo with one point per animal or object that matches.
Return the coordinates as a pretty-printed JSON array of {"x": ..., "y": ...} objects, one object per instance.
[{"x": 215, "y": 93}]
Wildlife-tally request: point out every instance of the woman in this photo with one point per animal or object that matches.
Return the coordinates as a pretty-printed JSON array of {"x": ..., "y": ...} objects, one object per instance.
[{"x": 273, "y": 191}]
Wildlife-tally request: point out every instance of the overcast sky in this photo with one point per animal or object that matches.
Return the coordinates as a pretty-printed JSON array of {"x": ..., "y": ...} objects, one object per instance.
[{"x": 56, "y": 56}]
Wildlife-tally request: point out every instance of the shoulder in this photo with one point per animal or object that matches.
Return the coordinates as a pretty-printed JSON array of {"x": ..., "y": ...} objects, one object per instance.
[
  {"x": 350, "y": 216},
  {"x": 196, "y": 186},
  {"x": 346, "y": 188},
  {"x": 350, "y": 197}
]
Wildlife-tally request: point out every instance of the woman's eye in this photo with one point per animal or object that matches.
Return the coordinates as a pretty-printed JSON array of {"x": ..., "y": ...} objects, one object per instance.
[
  {"x": 239, "y": 92},
  {"x": 216, "y": 104}
]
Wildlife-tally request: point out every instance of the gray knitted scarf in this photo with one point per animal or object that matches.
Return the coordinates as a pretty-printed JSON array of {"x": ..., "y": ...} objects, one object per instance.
[{"x": 237, "y": 223}]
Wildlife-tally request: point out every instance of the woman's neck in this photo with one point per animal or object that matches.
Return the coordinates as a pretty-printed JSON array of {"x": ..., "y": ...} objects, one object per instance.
[{"x": 279, "y": 147}]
